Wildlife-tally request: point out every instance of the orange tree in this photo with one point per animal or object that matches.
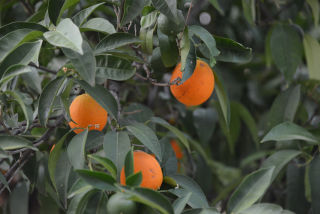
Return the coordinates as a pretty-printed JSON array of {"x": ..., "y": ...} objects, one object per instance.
[{"x": 221, "y": 127}]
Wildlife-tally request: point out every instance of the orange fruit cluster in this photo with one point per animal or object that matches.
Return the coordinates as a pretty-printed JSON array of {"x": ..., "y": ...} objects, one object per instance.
[
  {"x": 195, "y": 90},
  {"x": 86, "y": 112},
  {"x": 152, "y": 176}
]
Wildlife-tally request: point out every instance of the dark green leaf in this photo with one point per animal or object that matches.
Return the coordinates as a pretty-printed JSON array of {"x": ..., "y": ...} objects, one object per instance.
[
  {"x": 185, "y": 48},
  {"x": 289, "y": 131},
  {"x": 194, "y": 201},
  {"x": 14, "y": 142},
  {"x": 249, "y": 10},
  {"x": 99, "y": 180},
  {"x": 21, "y": 25},
  {"x": 202, "y": 211},
  {"x": 24, "y": 54},
  {"x": 57, "y": 7},
  {"x": 76, "y": 150},
  {"x": 314, "y": 174},
  {"x": 180, "y": 203},
  {"x": 231, "y": 51},
  {"x": 129, "y": 164},
  {"x": 279, "y": 160},
  {"x": 250, "y": 190},
  {"x": 79, "y": 202},
  {"x": 47, "y": 98},
  {"x": 265, "y": 208},
  {"x": 216, "y": 4},
  {"x": 14, "y": 71},
  {"x": 286, "y": 49},
  {"x": 84, "y": 63},
  {"x": 116, "y": 145},
  {"x": 102, "y": 96},
  {"x": 150, "y": 198},
  {"x": 98, "y": 24},
  {"x": 82, "y": 15},
  {"x": 147, "y": 137},
  {"x": 173, "y": 129},
  {"x": 114, "y": 68},
  {"x": 315, "y": 7},
  {"x": 106, "y": 163},
  {"x": 168, "y": 49},
  {"x": 207, "y": 39},
  {"x": 205, "y": 122},
  {"x": 114, "y": 41},
  {"x": 66, "y": 35},
  {"x": 134, "y": 179},
  {"x": 131, "y": 9},
  {"x": 191, "y": 63},
  {"x": 167, "y": 7},
  {"x": 4, "y": 181},
  {"x": 19, "y": 100}
]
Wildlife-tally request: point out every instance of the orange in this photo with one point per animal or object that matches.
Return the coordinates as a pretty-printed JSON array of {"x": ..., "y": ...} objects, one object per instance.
[
  {"x": 152, "y": 176},
  {"x": 86, "y": 112},
  {"x": 176, "y": 148},
  {"x": 195, "y": 90}
]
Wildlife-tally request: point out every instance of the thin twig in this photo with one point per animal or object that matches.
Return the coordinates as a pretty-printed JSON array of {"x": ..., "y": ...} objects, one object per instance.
[
  {"x": 188, "y": 14},
  {"x": 43, "y": 68}
]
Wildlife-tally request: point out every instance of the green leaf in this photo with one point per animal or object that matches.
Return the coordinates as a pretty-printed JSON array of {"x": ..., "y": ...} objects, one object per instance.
[
  {"x": 57, "y": 7},
  {"x": 82, "y": 15},
  {"x": 47, "y": 98},
  {"x": 295, "y": 187},
  {"x": 286, "y": 49},
  {"x": 279, "y": 160},
  {"x": 66, "y": 35},
  {"x": 76, "y": 150},
  {"x": 54, "y": 156},
  {"x": 194, "y": 201},
  {"x": 223, "y": 99},
  {"x": 150, "y": 198},
  {"x": 85, "y": 63},
  {"x": 106, "y": 163},
  {"x": 14, "y": 71},
  {"x": 148, "y": 20},
  {"x": 284, "y": 107},
  {"x": 80, "y": 186},
  {"x": 21, "y": 25},
  {"x": 114, "y": 41},
  {"x": 98, "y": 24},
  {"x": 249, "y": 10},
  {"x": 173, "y": 129},
  {"x": 168, "y": 48},
  {"x": 191, "y": 186},
  {"x": 315, "y": 7},
  {"x": 14, "y": 142},
  {"x": 79, "y": 203},
  {"x": 180, "y": 203},
  {"x": 147, "y": 137},
  {"x": 185, "y": 48},
  {"x": 4, "y": 182},
  {"x": 19, "y": 100},
  {"x": 24, "y": 54},
  {"x": 312, "y": 50},
  {"x": 114, "y": 68},
  {"x": 208, "y": 40},
  {"x": 167, "y": 7},
  {"x": 129, "y": 164},
  {"x": 62, "y": 172},
  {"x": 232, "y": 51},
  {"x": 191, "y": 63},
  {"x": 314, "y": 174},
  {"x": 250, "y": 190},
  {"x": 12, "y": 40},
  {"x": 102, "y": 96},
  {"x": 265, "y": 208},
  {"x": 99, "y": 180},
  {"x": 134, "y": 179},
  {"x": 202, "y": 211},
  {"x": 116, "y": 145},
  {"x": 131, "y": 9},
  {"x": 205, "y": 122},
  {"x": 19, "y": 196},
  {"x": 289, "y": 131}
]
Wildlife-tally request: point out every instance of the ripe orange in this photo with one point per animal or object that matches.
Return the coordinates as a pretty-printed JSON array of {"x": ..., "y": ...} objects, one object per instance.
[
  {"x": 86, "y": 112},
  {"x": 152, "y": 176},
  {"x": 195, "y": 90},
  {"x": 176, "y": 148}
]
